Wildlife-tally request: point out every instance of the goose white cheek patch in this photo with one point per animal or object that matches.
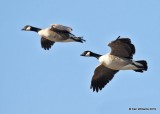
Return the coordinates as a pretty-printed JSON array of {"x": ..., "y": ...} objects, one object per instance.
[
  {"x": 28, "y": 28},
  {"x": 87, "y": 54}
]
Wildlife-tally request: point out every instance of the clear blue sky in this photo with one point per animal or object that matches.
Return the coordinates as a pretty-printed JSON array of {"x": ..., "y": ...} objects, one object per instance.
[{"x": 35, "y": 81}]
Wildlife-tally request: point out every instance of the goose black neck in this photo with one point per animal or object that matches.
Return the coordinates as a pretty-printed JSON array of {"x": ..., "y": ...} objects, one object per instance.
[
  {"x": 96, "y": 55},
  {"x": 35, "y": 29}
]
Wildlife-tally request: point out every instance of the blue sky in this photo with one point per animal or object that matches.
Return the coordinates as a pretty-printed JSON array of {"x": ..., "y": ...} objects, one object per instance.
[{"x": 35, "y": 81}]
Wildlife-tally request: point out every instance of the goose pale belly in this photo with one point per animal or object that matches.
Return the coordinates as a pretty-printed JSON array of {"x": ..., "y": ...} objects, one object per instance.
[{"x": 115, "y": 63}]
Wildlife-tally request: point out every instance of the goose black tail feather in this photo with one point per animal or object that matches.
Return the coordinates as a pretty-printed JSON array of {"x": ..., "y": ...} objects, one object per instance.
[
  {"x": 142, "y": 68},
  {"x": 78, "y": 39}
]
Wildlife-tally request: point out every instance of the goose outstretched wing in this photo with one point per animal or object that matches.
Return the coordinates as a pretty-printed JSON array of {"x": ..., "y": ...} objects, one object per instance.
[
  {"x": 102, "y": 76},
  {"x": 122, "y": 47},
  {"x": 46, "y": 44},
  {"x": 62, "y": 28}
]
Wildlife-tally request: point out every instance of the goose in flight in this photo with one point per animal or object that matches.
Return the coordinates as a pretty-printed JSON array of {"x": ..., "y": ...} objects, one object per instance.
[
  {"x": 120, "y": 58},
  {"x": 55, "y": 33}
]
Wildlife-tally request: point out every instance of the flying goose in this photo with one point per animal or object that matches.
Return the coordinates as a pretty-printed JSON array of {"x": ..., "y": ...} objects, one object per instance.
[
  {"x": 120, "y": 58},
  {"x": 55, "y": 33}
]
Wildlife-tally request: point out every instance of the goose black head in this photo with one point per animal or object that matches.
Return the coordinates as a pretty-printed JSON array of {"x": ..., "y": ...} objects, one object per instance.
[
  {"x": 90, "y": 54},
  {"x": 31, "y": 28},
  {"x": 87, "y": 53},
  {"x": 27, "y": 28}
]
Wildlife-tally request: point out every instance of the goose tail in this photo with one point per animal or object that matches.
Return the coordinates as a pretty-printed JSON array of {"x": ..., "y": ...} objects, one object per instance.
[
  {"x": 78, "y": 39},
  {"x": 141, "y": 65}
]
